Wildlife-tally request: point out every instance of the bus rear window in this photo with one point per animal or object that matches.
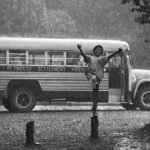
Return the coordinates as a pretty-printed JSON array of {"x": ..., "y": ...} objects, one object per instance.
[
  {"x": 36, "y": 58},
  {"x": 74, "y": 59},
  {"x": 2, "y": 57},
  {"x": 17, "y": 57},
  {"x": 55, "y": 58}
]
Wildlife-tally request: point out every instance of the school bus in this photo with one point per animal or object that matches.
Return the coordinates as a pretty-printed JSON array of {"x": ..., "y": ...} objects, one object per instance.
[{"x": 35, "y": 69}]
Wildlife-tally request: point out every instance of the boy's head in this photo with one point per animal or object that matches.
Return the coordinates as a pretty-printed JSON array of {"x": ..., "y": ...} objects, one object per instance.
[{"x": 97, "y": 50}]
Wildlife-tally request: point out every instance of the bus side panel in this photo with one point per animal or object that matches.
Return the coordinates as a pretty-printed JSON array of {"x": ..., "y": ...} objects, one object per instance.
[
  {"x": 69, "y": 82},
  {"x": 3, "y": 87},
  {"x": 73, "y": 84}
]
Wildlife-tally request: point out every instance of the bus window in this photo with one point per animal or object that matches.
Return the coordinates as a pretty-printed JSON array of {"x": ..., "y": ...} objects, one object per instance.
[
  {"x": 115, "y": 62},
  {"x": 55, "y": 58},
  {"x": 36, "y": 58},
  {"x": 2, "y": 57},
  {"x": 17, "y": 57},
  {"x": 74, "y": 59}
]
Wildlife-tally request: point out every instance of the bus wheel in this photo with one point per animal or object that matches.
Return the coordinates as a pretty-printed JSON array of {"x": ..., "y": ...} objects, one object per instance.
[
  {"x": 22, "y": 99},
  {"x": 128, "y": 106},
  {"x": 143, "y": 98},
  {"x": 6, "y": 104}
]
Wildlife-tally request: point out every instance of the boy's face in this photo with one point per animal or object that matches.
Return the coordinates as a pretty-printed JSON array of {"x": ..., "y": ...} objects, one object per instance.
[{"x": 98, "y": 51}]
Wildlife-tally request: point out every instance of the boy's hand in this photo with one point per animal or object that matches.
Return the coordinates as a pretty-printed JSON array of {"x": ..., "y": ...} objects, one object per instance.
[
  {"x": 120, "y": 50},
  {"x": 79, "y": 46}
]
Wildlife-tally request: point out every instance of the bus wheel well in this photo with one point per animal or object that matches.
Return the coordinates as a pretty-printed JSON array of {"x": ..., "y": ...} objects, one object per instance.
[
  {"x": 144, "y": 84},
  {"x": 141, "y": 86},
  {"x": 33, "y": 84}
]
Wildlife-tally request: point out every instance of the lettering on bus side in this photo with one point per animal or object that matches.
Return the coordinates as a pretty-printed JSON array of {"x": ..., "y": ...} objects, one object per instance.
[
  {"x": 51, "y": 69},
  {"x": 17, "y": 68},
  {"x": 42, "y": 69}
]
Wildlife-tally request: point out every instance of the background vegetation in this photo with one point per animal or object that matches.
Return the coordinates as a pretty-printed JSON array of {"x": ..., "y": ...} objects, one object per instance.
[{"x": 98, "y": 19}]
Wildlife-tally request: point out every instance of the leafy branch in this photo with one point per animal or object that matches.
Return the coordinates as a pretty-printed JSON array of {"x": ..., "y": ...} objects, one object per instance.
[{"x": 142, "y": 7}]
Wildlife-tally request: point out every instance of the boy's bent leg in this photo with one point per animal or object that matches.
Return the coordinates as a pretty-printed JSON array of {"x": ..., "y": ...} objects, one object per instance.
[
  {"x": 95, "y": 86},
  {"x": 94, "y": 82}
]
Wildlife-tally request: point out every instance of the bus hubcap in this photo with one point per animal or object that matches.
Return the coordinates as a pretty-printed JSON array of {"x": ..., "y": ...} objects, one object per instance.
[
  {"x": 23, "y": 100},
  {"x": 146, "y": 98}
]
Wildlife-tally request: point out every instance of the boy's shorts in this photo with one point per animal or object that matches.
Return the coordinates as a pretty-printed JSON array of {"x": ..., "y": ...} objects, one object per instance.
[{"x": 94, "y": 81}]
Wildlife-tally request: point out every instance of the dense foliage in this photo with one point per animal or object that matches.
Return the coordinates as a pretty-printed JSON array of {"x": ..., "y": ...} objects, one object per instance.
[
  {"x": 103, "y": 19},
  {"x": 142, "y": 7}
]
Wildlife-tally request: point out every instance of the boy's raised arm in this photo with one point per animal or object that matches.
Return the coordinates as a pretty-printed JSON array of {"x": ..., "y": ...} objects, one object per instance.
[
  {"x": 84, "y": 55},
  {"x": 112, "y": 55}
]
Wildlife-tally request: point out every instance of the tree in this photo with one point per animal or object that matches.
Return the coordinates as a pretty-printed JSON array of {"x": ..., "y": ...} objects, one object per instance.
[
  {"x": 140, "y": 44},
  {"x": 23, "y": 17},
  {"x": 142, "y": 7},
  {"x": 60, "y": 24}
]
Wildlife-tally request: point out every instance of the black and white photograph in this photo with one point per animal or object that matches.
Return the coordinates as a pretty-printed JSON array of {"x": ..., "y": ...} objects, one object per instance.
[{"x": 74, "y": 74}]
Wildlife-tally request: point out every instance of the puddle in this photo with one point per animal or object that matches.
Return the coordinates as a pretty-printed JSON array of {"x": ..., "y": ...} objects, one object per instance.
[{"x": 128, "y": 142}]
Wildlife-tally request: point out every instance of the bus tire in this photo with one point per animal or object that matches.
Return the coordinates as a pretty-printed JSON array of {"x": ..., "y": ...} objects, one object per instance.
[
  {"x": 143, "y": 98},
  {"x": 128, "y": 106},
  {"x": 6, "y": 104},
  {"x": 22, "y": 99}
]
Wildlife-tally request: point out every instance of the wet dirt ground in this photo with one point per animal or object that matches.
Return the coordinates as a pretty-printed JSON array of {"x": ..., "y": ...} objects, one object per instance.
[{"x": 66, "y": 129}]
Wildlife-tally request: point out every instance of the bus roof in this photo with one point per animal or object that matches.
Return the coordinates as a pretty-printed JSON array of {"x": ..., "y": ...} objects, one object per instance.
[{"x": 59, "y": 44}]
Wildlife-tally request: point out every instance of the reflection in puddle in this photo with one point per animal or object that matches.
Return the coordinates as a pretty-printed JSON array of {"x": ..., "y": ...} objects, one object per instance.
[{"x": 128, "y": 142}]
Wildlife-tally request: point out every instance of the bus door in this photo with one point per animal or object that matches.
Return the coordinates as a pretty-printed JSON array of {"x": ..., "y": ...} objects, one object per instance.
[{"x": 116, "y": 76}]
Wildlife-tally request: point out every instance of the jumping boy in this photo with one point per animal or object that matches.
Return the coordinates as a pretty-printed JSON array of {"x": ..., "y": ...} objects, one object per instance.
[{"x": 95, "y": 70}]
